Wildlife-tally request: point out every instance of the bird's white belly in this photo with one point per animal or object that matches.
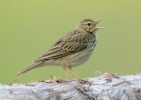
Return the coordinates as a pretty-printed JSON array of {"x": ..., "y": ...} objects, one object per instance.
[{"x": 74, "y": 59}]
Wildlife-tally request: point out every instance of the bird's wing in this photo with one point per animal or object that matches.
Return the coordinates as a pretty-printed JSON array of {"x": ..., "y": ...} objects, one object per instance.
[{"x": 71, "y": 43}]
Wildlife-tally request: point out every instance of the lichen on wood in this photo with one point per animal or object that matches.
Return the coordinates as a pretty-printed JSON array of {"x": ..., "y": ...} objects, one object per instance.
[{"x": 106, "y": 87}]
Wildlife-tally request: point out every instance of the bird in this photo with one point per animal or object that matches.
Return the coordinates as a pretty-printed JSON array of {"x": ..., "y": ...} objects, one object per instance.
[{"x": 71, "y": 50}]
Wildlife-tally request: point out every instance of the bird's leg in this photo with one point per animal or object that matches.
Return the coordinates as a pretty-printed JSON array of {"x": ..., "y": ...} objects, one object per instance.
[
  {"x": 67, "y": 74},
  {"x": 77, "y": 77}
]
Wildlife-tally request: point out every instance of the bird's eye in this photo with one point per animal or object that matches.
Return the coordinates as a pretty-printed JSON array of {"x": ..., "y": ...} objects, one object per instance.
[{"x": 89, "y": 24}]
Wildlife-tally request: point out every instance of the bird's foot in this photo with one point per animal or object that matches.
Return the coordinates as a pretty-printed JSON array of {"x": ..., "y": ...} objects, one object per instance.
[{"x": 70, "y": 79}]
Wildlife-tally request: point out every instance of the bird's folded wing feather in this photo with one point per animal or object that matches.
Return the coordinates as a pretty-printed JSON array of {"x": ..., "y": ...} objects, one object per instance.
[{"x": 67, "y": 45}]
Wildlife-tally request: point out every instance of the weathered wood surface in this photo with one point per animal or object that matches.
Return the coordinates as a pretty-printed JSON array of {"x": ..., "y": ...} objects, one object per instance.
[{"x": 106, "y": 87}]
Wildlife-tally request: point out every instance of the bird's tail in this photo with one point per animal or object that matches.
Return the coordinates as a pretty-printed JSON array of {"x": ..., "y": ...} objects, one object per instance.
[{"x": 34, "y": 65}]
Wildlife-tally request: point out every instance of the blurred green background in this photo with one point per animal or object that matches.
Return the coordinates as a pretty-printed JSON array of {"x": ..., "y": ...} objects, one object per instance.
[{"x": 29, "y": 27}]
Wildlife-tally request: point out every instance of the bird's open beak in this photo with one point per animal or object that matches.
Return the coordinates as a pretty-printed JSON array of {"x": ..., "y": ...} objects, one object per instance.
[
  {"x": 97, "y": 28},
  {"x": 98, "y": 22}
]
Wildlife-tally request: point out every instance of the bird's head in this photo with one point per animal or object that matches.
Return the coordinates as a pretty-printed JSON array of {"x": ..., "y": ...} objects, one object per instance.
[{"x": 89, "y": 25}]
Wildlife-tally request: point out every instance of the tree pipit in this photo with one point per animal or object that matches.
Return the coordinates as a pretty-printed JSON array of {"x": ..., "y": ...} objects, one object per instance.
[{"x": 71, "y": 50}]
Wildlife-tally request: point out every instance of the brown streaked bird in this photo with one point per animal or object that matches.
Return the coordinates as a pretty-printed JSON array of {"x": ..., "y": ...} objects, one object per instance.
[{"x": 71, "y": 50}]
